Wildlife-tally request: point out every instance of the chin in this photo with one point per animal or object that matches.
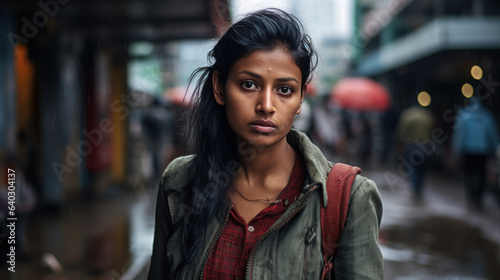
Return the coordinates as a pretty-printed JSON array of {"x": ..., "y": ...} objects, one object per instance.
[{"x": 263, "y": 140}]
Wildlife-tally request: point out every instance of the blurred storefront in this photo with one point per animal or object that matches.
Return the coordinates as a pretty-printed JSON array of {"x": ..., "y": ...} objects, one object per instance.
[
  {"x": 64, "y": 96},
  {"x": 446, "y": 49}
]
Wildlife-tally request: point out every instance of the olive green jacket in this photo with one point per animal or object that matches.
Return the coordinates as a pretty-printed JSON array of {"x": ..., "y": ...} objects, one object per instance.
[{"x": 291, "y": 248}]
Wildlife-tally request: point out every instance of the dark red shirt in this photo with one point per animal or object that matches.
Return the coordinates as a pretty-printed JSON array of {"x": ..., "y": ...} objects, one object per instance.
[{"x": 229, "y": 258}]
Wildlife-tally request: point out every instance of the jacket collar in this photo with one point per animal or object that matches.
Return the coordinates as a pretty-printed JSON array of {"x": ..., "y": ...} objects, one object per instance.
[{"x": 316, "y": 164}]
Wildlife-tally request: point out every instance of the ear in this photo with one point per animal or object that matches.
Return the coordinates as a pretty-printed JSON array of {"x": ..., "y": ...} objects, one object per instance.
[
  {"x": 301, "y": 99},
  {"x": 218, "y": 89}
]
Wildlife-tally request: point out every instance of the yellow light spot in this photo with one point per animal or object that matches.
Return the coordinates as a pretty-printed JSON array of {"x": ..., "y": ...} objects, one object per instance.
[
  {"x": 476, "y": 72},
  {"x": 467, "y": 90},
  {"x": 424, "y": 98}
]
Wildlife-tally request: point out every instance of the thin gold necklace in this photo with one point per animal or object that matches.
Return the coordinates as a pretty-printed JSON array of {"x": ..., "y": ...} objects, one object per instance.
[{"x": 268, "y": 200}]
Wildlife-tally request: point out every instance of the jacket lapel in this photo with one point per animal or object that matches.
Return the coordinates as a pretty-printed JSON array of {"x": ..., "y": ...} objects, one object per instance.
[{"x": 315, "y": 161}]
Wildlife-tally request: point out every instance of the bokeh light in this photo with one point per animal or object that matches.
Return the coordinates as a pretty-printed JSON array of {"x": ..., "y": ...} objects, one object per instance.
[
  {"x": 424, "y": 98},
  {"x": 476, "y": 72},
  {"x": 467, "y": 90}
]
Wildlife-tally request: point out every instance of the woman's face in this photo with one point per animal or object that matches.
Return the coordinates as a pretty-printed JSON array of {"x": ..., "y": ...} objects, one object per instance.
[{"x": 262, "y": 96}]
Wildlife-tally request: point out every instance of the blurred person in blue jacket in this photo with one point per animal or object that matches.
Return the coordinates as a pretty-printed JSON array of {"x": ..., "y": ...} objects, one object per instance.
[{"x": 475, "y": 138}]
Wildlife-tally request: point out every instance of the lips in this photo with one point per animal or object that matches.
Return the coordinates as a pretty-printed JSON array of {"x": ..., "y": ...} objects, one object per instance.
[{"x": 263, "y": 126}]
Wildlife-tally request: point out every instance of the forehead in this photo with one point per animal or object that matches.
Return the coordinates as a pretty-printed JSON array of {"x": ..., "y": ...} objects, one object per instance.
[{"x": 274, "y": 63}]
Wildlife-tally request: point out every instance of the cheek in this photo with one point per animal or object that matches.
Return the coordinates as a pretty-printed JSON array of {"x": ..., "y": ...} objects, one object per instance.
[
  {"x": 286, "y": 118},
  {"x": 236, "y": 104},
  {"x": 235, "y": 112},
  {"x": 290, "y": 119}
]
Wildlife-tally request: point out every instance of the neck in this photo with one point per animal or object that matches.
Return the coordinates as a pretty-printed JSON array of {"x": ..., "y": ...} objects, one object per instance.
[{"x": 267, "y": 168}]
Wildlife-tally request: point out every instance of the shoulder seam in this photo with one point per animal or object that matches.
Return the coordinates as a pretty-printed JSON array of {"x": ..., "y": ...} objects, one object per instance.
[{"x": 356, "y": 187}]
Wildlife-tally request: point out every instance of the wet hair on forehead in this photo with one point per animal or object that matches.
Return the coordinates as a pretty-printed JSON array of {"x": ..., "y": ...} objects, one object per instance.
[
  {"x": 264, "y": 30},
  {"x": 278, "y": 45}
]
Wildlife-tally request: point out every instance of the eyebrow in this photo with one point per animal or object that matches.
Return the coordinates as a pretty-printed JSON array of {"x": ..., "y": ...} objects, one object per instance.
[{"x": 260, "y": 77}]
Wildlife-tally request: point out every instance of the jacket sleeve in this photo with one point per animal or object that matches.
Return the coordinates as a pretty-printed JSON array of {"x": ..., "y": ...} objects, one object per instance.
[
  {"x": 159, "y": 267},
  {"x": 358, "y": 254}
]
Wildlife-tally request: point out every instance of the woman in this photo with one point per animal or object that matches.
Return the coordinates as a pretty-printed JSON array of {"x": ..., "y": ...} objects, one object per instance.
[{"x": 246, "y": 205}]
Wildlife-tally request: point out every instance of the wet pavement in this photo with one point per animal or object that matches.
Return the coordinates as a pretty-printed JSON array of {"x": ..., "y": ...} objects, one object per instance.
[
  {"x": 105, "y": 240},
  {"x": 436, "y": 237}
]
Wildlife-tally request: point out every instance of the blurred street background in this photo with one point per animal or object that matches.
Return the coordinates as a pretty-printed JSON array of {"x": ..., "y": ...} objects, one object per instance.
[{"x": 92, "y": 96}]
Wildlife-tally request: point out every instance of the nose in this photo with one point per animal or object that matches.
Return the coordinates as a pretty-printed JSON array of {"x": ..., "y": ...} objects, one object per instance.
[{"x": 265, "y": 102}]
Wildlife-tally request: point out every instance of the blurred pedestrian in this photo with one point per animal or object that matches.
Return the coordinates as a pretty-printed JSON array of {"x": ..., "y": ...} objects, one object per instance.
[
  {"x": 362, "y": 130},
  {"x": 330, "y": 128},
  {"x": 388, "y": 122},
  {"x": 475, "y": 138},
  {"x": 414, "y": 131},
  {"x": 248, "y": 203},
  {"x": 155, "y": 122}
]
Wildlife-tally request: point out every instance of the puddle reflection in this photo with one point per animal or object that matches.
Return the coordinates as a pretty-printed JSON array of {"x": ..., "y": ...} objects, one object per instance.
[{"x": 438, "y": 248}]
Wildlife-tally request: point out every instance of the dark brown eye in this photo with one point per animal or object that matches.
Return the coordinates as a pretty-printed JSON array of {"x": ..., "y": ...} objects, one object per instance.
[
  {"x": 285, "y": 90},
  {"x": 248, "y": 85}
]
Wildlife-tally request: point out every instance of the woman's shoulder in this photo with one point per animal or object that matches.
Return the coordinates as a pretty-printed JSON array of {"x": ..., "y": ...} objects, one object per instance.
[
  {"x": 364, "y": 184},
  {"x": 365, "y": 194},
  {"x": 177, "y": 172}
]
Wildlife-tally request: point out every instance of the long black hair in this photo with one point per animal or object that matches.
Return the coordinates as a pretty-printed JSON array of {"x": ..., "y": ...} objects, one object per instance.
[{"x": 211, "y": 138}]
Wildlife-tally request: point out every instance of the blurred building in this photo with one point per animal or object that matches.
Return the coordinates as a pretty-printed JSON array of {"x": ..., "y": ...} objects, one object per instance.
[
  {"x": 328, "y": 22},
  {"x": 335, "y": 61},
  {"x": 447, "y": 48},
  {"x": 64, "y": 96}
]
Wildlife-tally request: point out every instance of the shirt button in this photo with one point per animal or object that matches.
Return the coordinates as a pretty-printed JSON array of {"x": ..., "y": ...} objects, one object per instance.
[{"x": 251, "y": 229}]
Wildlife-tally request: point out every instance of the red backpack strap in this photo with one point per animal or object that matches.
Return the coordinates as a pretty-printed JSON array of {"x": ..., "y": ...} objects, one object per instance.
[{"x": 333, "y": 216}]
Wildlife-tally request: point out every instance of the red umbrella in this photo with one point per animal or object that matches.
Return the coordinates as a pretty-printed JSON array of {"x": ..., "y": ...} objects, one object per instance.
[{"x": 361, "y": 94}]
